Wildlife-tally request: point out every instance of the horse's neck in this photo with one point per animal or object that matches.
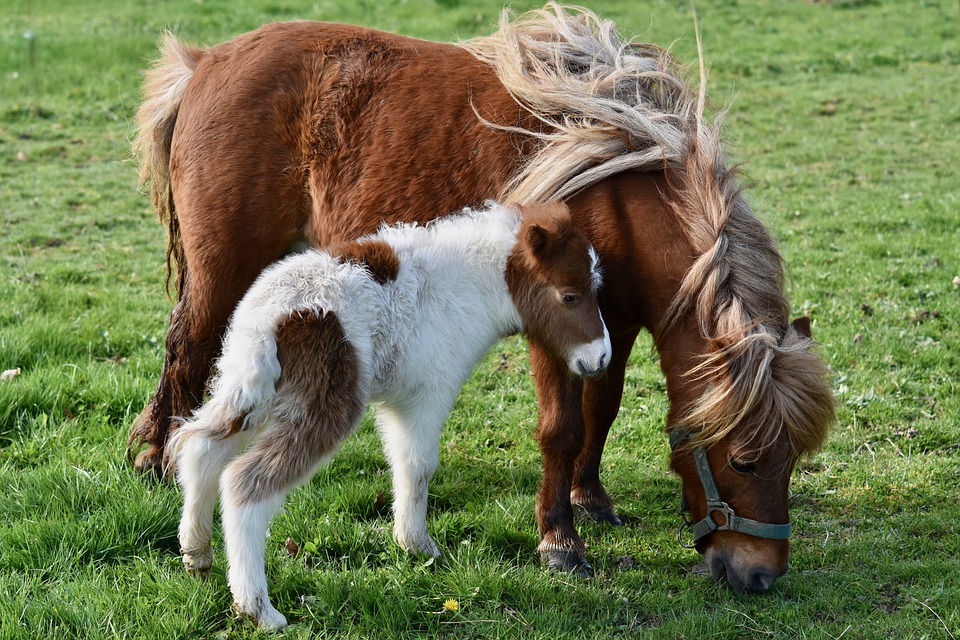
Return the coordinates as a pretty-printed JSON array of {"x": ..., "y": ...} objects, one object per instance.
[{"x": 644, "y": 254}]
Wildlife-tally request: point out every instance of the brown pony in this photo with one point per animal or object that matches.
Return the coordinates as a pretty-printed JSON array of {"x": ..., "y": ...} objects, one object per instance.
[{"x": 307, "y": 133}]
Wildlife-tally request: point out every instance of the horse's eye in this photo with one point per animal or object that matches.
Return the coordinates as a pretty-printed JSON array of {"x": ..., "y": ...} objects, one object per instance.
[
  {"x": 742, "y": 467},
  {"x": 569, "y": 298}
]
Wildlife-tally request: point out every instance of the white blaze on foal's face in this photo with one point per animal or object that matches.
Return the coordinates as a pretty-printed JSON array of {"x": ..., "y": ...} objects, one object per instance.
[
  {"x": 591, "y": 359},
  {"x": 554, "y": 277}
]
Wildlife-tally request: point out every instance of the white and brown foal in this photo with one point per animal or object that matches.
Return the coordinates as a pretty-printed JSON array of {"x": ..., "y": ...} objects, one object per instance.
[{"x": 400, "y": 319}]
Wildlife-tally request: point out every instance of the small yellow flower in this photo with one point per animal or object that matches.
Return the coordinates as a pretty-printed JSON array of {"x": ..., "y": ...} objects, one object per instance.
[{"x": 451, "y": 605}]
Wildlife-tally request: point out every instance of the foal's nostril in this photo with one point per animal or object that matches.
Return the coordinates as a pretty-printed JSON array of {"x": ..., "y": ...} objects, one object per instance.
[{"x": 585, "y": 369}]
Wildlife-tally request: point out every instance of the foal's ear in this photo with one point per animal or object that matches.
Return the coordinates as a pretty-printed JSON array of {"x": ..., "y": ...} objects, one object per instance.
[
  {"x": 802, "y": 326},
  {"x": 536, "y": 238}
]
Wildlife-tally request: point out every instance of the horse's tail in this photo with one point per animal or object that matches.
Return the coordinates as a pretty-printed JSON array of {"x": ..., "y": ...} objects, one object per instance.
[{"x": 164, "y": 85}]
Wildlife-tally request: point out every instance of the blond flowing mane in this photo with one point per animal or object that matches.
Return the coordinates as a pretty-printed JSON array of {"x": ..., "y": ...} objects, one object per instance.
[{"x": 608, "y": 104}]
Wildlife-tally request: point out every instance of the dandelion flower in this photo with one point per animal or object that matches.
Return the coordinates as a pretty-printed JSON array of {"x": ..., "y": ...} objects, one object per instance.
[{"x": 451, "y": 605}]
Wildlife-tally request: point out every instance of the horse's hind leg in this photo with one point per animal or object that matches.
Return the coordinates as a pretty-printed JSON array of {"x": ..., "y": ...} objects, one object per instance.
[
  {"x": 216, "y": 279},
  {"x": 193, "y": 341},
  {"x": 601, "y": 403},
  {"x": 239, "y": 209}
]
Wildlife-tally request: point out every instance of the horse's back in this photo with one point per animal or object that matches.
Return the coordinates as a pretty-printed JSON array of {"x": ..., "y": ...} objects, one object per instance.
[{"x": 319, "y": 131}]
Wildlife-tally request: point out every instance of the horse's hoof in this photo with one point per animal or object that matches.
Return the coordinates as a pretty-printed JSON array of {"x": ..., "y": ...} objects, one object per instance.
[
  {"x": 202, "y": 574},
  {"x": 149, "y": 462},
  {"x": 564, "y": 561},
  {"x": 603, "y": 514}
]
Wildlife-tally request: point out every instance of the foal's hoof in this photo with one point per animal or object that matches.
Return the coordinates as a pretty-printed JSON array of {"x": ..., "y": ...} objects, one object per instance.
[
  {"x": 567, "y": 562},
  {"x": 198, "y": 565},
  {"x": 603, "y": 514},
  {"x": 265, "y": 617}
]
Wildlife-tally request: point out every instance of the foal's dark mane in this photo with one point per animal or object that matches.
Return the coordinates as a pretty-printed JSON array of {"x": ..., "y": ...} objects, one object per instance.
[{"x": 608, "y": 105}]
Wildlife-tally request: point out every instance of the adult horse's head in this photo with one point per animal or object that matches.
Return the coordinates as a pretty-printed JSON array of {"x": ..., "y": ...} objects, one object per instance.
[
  {"x": 748, "y": 395},
  {"x": 763, "y": 405},
  {"x": 554, "y": 276}
]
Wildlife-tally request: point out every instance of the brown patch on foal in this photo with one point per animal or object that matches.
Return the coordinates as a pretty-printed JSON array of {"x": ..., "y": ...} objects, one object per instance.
[
  {"x": 377, "y": 256},
  {"x": 319, "y": 401}
]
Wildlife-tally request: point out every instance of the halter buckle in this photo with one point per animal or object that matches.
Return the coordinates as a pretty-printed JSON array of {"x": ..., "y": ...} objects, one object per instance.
[{"x": 726, "y": 510}]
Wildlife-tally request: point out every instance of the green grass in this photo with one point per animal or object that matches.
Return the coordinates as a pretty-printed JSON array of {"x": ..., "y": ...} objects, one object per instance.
[{"x": 846, "y": 116}]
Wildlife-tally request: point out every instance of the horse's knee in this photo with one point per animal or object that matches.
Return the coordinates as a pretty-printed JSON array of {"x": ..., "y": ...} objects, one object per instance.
[{"x": 562, "y": 439}]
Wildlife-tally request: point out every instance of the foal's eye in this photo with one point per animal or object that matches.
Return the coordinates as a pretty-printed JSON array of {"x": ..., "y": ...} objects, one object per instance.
[
  {"x": 742, "y": 467},
  {"x": 569, "y": 298}
]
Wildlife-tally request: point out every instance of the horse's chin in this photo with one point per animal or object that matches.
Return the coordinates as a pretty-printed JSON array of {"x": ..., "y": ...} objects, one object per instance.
[{"x": 741, "y": 571}]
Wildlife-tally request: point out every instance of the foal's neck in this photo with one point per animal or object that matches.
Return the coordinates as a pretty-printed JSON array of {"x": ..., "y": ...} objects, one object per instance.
[{"x": 463, "y": 258}]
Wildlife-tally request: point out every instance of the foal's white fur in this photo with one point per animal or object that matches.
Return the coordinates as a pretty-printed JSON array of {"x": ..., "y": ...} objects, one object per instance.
[{"x": 417, "y": 338}]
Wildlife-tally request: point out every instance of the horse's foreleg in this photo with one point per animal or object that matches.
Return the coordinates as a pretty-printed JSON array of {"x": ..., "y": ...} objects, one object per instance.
[
  {"x": 560, "y": 435},
  {"x": 411, "y": 443},
  {"x": 601, "y": 403}
]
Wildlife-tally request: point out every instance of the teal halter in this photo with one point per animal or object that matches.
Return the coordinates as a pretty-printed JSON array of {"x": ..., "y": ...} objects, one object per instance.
[{"x": 715, "y": 505}]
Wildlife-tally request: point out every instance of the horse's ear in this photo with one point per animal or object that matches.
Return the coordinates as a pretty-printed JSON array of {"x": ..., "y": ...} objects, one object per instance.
[
  {"x": 536, "y": 238},
  {"x": 802, "y": 326}
]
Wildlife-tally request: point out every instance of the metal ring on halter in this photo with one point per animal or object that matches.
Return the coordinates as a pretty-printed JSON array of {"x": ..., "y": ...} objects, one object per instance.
[{"x": 684, "y": 525}]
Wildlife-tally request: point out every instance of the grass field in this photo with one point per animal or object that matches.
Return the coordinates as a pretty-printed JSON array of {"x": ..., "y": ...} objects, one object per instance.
[{"x": 846, "y": 117}]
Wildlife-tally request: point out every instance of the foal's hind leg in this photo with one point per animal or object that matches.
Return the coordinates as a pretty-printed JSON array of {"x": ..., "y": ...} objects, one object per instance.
[
  {"x": 254, "y": 487},
  {"x": 200, "y": 459},
  {"x": 320, "y": 399}
]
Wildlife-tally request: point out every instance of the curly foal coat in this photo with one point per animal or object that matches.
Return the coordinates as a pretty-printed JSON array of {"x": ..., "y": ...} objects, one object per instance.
[{"x": 399, "y": 318}]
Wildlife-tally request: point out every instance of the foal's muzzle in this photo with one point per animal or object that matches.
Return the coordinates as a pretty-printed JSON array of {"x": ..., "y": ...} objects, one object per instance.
[
  {"x": 589, "y": 370},
  {"x": 591, "y": 360}
]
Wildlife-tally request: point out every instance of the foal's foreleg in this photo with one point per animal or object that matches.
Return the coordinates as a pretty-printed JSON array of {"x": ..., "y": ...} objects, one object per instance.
[{"x": 411, "y": 443}]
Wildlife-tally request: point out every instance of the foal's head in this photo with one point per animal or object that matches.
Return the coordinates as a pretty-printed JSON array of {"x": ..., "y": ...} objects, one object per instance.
[{"x": 553, "y": 276}]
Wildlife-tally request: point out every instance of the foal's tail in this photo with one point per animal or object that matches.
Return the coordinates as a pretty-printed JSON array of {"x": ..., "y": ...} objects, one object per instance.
[
  {"x": 242, "y": 390},
  {"x": 163, "y": 89}
]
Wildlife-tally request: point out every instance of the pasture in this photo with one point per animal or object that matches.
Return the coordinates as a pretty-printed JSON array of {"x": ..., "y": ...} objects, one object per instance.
[{"x": 845, "y": 115}]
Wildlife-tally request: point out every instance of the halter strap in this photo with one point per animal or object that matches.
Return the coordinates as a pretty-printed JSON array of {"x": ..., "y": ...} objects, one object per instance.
[{"x": 715, "y": 505}]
